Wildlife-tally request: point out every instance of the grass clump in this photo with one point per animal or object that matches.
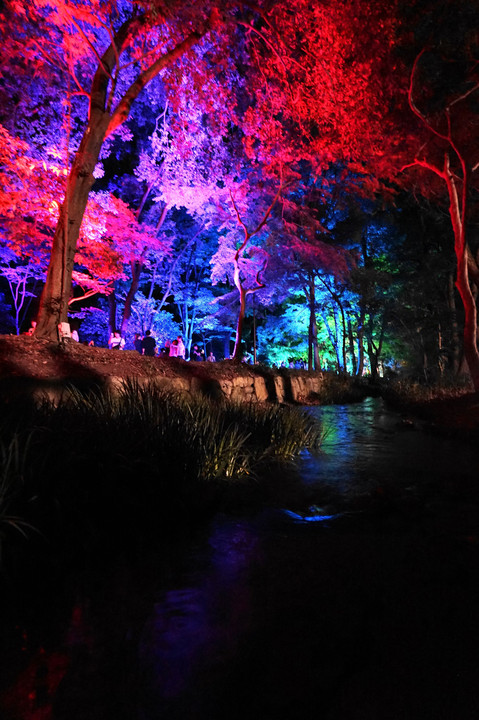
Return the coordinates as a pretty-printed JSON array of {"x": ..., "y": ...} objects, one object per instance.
[
  {"x": 110, "y": 462},
  {"x": 12, "y": 469}
]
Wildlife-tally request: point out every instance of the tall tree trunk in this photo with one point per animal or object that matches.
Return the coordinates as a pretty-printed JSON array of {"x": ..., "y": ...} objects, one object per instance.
[
  {"x": 458, "y": 214},
  {"x": 239, "y": 323},
  {"x": 360, "y": 370},
  {"x": 313, "y": 352},
  {"x": 351, "y": 347},
  {"x": 238, "y": 281},
  {"x": 56, "y": 293},
  {"x": 102, "y": 122},
  {"x": 316, "y": 360},
  {"x": 374, "y": 351},
  {"x": 455, "y": 344},
  {"x": 344, "y": 336},
  {"x": 333, "y": 339},
  {"x": 310, "y": 327}
]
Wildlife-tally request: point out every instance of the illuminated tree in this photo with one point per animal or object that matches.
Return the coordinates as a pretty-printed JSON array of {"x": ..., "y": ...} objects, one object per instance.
[
  {"x": 109, "y": 53},
  {"x": 450, "y": 117},
  {"x": 302, "y": 83}
]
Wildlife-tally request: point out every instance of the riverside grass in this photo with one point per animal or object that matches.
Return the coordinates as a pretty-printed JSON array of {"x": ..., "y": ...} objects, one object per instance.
[{"x": 137, "y": 456}]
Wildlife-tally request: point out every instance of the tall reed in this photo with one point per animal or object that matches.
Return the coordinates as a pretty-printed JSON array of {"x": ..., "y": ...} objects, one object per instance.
[{"x": 122, "y": 458}]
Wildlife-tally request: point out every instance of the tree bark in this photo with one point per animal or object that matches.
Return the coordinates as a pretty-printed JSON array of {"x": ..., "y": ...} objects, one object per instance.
[
  {"x": 56, "y": 293},
  {"x": 457, "y": 212},
  {"x": 455, "y": 345},
  {"x": 112, "y": 314},
  {"x": 101, "y": 123},
  {"x": 313, "y": 354},
  {"x": 136, "y": 270}
]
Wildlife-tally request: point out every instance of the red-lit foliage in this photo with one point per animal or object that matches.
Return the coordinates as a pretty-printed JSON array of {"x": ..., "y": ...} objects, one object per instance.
[
  {"x": 298, "y": 83},
  {"x": 443, "y": 92},
  {"x": 110, "y": 237}
]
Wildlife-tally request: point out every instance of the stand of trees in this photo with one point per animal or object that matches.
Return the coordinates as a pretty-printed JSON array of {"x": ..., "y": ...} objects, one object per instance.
[{"x": 181, "y": 159}]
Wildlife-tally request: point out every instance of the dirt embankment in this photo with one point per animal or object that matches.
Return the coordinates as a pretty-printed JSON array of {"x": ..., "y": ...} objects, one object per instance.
[
  {"x": 33, "y": 359},
  {"x": 29, "y": 357}
]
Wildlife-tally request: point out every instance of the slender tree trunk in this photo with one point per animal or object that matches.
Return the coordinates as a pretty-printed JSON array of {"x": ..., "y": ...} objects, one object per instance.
[
  {"x": 313, "y": 353},
  {"x": 112, "y": 313},
  {"x": 344, "y": 335},
  {"x": 308, "y": 293},
  {"x": 457, "y": 211},
  {"x": 238, "y": 281},
  {"x": 316, "y": 360},
  {"x": 333, "y": 339},
  {"x": 240, "y": 322},
  {"x": 136, "y": 270},
  {"x": 374, "y": 351},
  {"x": 360, "y": 370},
  {"x": 351, "y": 347},
  {"x": 455, "y": 342}
]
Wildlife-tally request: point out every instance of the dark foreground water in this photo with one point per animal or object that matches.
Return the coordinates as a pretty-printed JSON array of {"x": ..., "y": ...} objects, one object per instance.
[{"x": 360, "y": 599}]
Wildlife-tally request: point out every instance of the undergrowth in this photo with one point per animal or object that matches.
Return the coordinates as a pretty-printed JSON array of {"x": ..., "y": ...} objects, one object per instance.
[{"x": 126, "y": 461}]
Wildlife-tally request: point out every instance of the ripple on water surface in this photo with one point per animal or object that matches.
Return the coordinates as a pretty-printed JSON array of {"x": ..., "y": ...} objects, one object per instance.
[{"x": 366, "y": 446}]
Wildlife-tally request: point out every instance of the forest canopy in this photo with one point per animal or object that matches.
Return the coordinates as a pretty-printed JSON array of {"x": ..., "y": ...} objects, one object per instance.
[{"x": 291, "y": 182}]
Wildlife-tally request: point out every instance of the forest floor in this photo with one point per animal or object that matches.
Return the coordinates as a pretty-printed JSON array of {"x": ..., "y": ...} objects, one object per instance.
[{"x": 31, "y": 358}]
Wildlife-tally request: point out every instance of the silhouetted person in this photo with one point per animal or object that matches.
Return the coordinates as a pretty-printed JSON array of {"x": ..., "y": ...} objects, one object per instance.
[
  {"x": 148, "y": 344},
  {"x": 137, "y": 342}
]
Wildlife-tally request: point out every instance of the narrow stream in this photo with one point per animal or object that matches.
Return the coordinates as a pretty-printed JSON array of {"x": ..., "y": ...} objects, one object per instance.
[{"x": 361, "y": 601}]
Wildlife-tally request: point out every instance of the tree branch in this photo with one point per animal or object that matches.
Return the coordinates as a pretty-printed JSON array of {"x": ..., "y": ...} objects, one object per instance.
[
  {"x": 412, "y": 103},
  {"x": 123, "y": 108}
]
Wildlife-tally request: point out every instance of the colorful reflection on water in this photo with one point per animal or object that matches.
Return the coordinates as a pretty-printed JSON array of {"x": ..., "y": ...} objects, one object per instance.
[{"x": 336, "y": 610}]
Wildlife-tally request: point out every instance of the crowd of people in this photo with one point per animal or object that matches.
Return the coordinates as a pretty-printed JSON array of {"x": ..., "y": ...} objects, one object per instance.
[{"x": 147, "y": 345}]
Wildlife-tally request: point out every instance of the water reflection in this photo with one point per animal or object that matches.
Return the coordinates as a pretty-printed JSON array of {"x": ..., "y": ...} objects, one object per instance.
[
  {"x": 321, "y": 611},
  {"x": 194, "y": 630},
  {"x": 366, "y": 445}
]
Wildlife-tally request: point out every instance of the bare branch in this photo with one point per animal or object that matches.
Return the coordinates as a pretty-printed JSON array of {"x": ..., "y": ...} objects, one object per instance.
[
  {"x": 91, "y": 46},
  {"x": 464, "y": 95},
  {"x": 427, "y": 165},
  {"x": 412, "y": 103},
  {"x": 268, "y": 211},
  {"x": 265, "y": 40},
  {"x": 240, "y": 222}
]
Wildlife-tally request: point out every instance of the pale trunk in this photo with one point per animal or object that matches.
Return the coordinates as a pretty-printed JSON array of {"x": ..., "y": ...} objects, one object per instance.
[
  {"x": 351, "y": 348},
  {"x": 239, "y": 325},
  {"x": 458, "y": 218}
]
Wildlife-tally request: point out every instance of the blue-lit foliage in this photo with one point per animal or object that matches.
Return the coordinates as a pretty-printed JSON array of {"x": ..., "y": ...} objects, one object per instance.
[{"x": 195, "y": 165}]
